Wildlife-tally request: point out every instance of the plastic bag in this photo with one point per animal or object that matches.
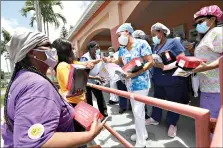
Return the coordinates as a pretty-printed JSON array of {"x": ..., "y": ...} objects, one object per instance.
[{"x": 195, "y": 84}]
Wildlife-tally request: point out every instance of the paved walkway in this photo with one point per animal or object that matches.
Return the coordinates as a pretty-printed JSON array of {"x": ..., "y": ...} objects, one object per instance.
[{"x": 124, "y": 125}]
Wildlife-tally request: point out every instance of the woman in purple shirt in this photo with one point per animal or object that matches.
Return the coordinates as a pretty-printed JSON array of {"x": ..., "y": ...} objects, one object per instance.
[{"x": 35, "y": 113}]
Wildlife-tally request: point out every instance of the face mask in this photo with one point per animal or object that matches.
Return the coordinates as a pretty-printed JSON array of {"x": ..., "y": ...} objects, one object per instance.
[
  {"x": 111, "y": 54},
  {"x": 51, "y": 55},
  {"x": 98, "y": 52},
  {"x": 156, "y": 40},
  {"x": 202, "y": 28},
  {"x": 123, "y": 40}
]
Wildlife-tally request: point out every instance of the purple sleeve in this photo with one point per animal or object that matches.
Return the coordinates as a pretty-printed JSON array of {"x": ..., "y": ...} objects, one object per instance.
[{"x": 39, "y": 104}]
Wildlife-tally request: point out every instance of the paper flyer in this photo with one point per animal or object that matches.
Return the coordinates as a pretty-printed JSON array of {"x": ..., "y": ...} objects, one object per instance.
[
  {"x": 182, "y": 73},
  {"x": 108, "y": 70}
]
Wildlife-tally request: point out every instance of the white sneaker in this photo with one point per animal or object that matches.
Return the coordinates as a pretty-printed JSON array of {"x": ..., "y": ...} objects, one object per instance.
[
  {"x": 133, "y": 137},
  {"x": 172, "y": 132},
  {"x": 151, "y": 121}
]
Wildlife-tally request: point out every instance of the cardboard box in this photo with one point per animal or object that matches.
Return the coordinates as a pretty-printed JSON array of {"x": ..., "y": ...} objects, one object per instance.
[
  {"x": 78, "y": 77},
  {"x": 133, "y": 66},
  {"x": 167, "y": 57},
  {"x": 188, "y": 62},
  {"x": 84, "y": 114}
]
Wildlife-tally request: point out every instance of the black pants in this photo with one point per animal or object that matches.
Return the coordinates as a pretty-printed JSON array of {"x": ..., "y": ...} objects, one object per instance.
[
  {"x": 99, "y": 97},
  {"x": 77, "y": 126},
  {"x": 175, "y": 93},
  {"x": 122, "y": 101}
]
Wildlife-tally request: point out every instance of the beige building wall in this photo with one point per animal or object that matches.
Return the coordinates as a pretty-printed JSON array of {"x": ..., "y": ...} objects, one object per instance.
[{"x": 102, "y": 26}]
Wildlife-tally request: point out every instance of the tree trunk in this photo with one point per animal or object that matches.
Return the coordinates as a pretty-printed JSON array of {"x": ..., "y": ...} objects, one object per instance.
[
  {"x": 44, "y": 23},
  {"x": 47, "y": 29}
]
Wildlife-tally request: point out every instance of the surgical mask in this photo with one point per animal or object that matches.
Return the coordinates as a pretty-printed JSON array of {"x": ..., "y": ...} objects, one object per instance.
[
  {"x": 111, "y": 54},
  {"x": 202, "y": 28},
  {"x": 98, "y": 52},
  {"x": 156, "y": 40},
  {"x": 51, "y": 55},
  {"x": 123, "y": 40}
]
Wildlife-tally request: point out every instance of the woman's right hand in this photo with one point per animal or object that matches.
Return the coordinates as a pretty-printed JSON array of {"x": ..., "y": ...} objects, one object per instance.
[
  {"x": 89, "y": 65},
  {"x": 96, "y": 126}
]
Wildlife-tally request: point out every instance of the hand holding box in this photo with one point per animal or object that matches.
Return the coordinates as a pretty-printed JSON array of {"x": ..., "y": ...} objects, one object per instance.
[{"x": 84, "y": 114}]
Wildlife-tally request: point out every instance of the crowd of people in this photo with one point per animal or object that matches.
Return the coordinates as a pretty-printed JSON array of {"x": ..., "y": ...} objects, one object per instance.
[{"x": 38, "y": 114}]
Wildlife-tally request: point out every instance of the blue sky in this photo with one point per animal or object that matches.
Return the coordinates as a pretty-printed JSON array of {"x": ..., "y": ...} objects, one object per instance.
[
  {"x": 12, "y": 19},
  {"x": 11, "y": 10}
]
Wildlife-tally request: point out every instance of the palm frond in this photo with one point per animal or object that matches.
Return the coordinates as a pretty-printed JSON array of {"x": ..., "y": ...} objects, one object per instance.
[
  {"x": 6, "y": 35},
  {"x": 60, "y": 16},
  {"x": 24, "y": 11},
  {"x": 59, "y": 3},
  {"x": 2, "y": 48}
]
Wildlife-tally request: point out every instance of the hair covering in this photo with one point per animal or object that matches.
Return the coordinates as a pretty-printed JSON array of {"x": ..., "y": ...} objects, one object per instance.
[
  {"x": 22, "y": 42},
  {"x": 159, "y": 26},
  {"x": 212, "y": 10},
  {"x": 138, "y": 34},
  {"x": 110, "y": 49},
  {"x": 124, "y": 27}
]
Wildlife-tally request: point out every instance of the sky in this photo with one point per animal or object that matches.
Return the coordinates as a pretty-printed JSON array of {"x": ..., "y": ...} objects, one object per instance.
[{"x": 12, "y": 19}]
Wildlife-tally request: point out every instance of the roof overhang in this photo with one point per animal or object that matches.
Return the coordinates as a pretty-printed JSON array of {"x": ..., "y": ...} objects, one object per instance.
[{"x": 92, "y": 8}]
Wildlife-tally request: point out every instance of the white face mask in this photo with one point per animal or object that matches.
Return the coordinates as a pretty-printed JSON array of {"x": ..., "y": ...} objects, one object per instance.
[
  {"x": 123, "y": 40},
  {"x": 51, "y": 55}
]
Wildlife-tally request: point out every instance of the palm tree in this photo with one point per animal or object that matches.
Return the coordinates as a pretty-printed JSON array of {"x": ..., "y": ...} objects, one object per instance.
[
  {"x": 6, "y": 36},
  {"x": 64, "y": 32},
  {"x": 47, "y": 13}
]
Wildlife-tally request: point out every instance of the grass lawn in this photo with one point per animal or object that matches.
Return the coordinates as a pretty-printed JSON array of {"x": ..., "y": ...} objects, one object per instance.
[
  {"x": 3, "y": 89},
  {"x": 2, "y": 100}
]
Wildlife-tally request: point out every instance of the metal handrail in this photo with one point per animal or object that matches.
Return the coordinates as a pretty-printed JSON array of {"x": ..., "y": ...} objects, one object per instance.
[
  {"x": 217, "y": 138},
  {"x": 201, "y": 116}
]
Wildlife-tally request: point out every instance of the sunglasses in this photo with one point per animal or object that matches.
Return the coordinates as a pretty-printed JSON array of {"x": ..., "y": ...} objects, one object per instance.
[
  {"x": 199, "y": 22},
  {"x": 49, "y": 45},
  {"x": 96, "y": 47}
]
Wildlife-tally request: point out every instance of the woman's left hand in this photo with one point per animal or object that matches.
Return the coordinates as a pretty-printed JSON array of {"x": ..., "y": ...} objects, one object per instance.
[{"x": 200, "y": 68}]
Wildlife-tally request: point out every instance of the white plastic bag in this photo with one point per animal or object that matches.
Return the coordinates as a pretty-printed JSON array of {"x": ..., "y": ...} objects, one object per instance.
[{"x": 195, "y": 84}]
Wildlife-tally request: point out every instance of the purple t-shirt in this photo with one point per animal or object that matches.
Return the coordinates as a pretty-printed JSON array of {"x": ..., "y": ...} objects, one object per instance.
[{"x": 32, "y": 99}]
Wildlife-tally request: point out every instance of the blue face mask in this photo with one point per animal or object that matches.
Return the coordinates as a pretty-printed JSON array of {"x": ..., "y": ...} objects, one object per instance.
[
  {"x": 156, "y": 40},
  {"x": 98, "y": 52},
  {"x": 202, "y": 28}
]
